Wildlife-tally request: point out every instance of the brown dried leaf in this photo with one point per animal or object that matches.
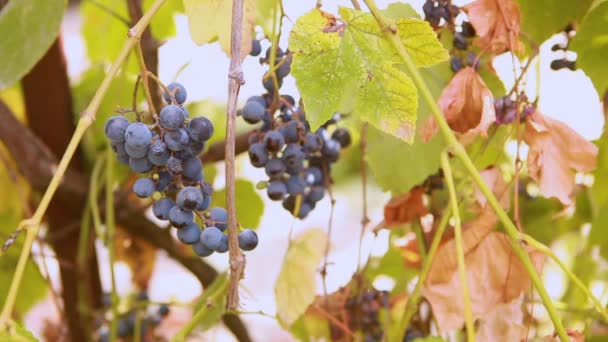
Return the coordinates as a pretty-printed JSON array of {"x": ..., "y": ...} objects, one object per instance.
[
  {"x": 405, "y": 207},
  {"x": 504, "y": 323},
  {"x": 495, "y": 181},
  {"x": 497, "y": 23},
  {"x": 556, "y": 150},
  {"x": 467, "y": 103},
  {"x": 494, "y": 274},
  {"x": 138, "y": 254}
]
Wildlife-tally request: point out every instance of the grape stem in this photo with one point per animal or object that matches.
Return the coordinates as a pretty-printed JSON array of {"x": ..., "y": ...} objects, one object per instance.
[
  {"x": 143, "y": 71},
  {"x": 86, "y": 120},
  {"x": 391, "y": 33},
  {"x": 110, "y": 232},
  {"x": 235, "y": 80},
  {"x": 466, "y": 297}
]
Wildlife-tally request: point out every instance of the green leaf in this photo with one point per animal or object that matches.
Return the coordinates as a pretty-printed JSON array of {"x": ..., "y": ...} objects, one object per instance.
[
  {"x": 543, "y": 18},
  {"x": 352, "y": 69},
  {"x": 591, "y": 46},
  {"x": 16, "y": 333},
  {"x": 295, "y": 286},
  {"x": 399, "y": 10},
  {"x": 162, "y": 25},
  {"x": 214, "y": 298},
  {"x": 28, "y": 27},
  {"x": 249, "y": 204},
  {"x": 264, "y": 13},
  {"x": 210, "y": 20},
  {"x": 96, "y": 20},
  {"x": 310, "y": 328}
]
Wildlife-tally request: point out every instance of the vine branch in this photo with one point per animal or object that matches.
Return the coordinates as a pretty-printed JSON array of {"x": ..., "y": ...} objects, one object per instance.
[
  {"x": 235, "y": 75},
  {"x": 391, "y": 33}
]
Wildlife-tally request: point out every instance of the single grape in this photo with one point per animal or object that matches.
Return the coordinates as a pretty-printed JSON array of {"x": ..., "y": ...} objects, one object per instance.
[
  {"x": 284, "y": 69},
  {"x": 223, "y": 247},
  {"x": 138, "y": 135},
  {"x": 289, "y": 99},
  {"x": 258, "y": 155},
  {"x": 140, "y": 165},
  {"x": 179, "y": 92},
  {"x": 312, "y": 142},
  {"x": 266, "y": 122},
  {"x": 201, "y": 250},
  {"x": 204, "y": 204},
  {"x": 174, "y": 165},
  {"x": 316, "y": 194},
  {"x": 256, "y": 48},
  {"x": 200, "y": 129},
  {"x": 124, "y": 329},
  {"x": 456, "y": 64},
  {"x": 115, "y": 128},
  {"x": 179, "y": 217},
  {"x": 163, "y": 310},
  {"x": 259, "y": 99},
  {"x": 331, "y": 150},
  {"x": 295, "y": 185},
  {"x": 293, "y": 156},
  {"x": 219, "y": 216},
  {"x": 289, "y": 203},
  {"x": 427, "y": 8},
  {"x": 460, "y": 42},
  {"x": 278, "y": 54},
  {"x": 164, "y": 179},
  {"x": 158, "y": 154},
  {"x": 269, "y": 84},
  {"x": 467, "y": 29},
  {"x": 206, "y": 189},
  {"x": 177, "y": 140},
  {"x": 248, "y": 240},
  {"x": 286, "y": 114},
  {"x": 190, "y": 234},
  {"x": 313, "y": 176},
  {"x": 291, "y": 132},
  {"x": 171, "y": 117},
  {"x": 136, "y": 152},
  {"x": 192, "y": 169},
  {"x": 161, "y": 208},
  {"x": 305, "y": 209},
  {"x": 143, "y": 187},
  {"x": 275, "y": 168},
  {"x": 342, "y": 136},
  {"x": 274, "y": 141},
  {"x": 189, "y": 198},
  {"x": 276, "y": 190},
  {"x": 211, "y": 237},
  {"x": 253, "y": 112}
]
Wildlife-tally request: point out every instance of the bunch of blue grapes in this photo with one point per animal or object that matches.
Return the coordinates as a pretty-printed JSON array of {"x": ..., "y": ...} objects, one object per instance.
[
  {"x": 167, "y": 153},
  {"x": 297, "y": 160},
  {"x": 125, "y": 326}
]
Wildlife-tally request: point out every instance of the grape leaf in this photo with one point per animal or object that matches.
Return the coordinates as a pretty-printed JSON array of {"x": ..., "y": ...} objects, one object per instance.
[
  {"x": 350, "y": 67},
  {"x": 543, "y": 18},
  {"x": 162, "y": 25},
  {"x": 398, "y": 10},
  {"x": 591, "y": 45},
  {"x": 295, "y": 286},
  {"x": 210, "y": 20},
  {"x": 214, "y": 297},
  {"x": 249, "y": 204},
  {"x": 28, "y": 27},
  {"x": 16, "y": 333},
  {"x": 264, "y": 12}
]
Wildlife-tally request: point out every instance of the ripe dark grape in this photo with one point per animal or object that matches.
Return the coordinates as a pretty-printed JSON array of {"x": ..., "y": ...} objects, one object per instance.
[
  {"x": 274, "y": 141},
  {"x": 559, "y": 64},
  {"x": 296, "y": 185},
  {"x": 204, "y": 204},
  {"x": 176, "y": 140},
  {"x": 138, "y": 135},
  {"x": 201, "y": 250},
  {"x": 223, "y": 247},
  {"x": 316, "y": 194},
  {"x": 171, "y": 117},
  {"x": 248, "y": 240},
  {"x": 256, "y": 48},
  {"x": 291, "y": 132},
  {"x": 342, "y": 136},
  {"x": 192, "y": 169},
  {"x": 179, "y": 217},
  {"x": 275, "y": 168},
  {"x": 189, "y": 198},
  {"x": 258, "y": 155},
  {"x": 190, "y": 234},
  {"x": 179, "y": 92},
  {"x": 313, "y": 142},
  {"x": 158, "y": 154},
  {"x": 460, "y": 41},
  {"x": 314, "y": 176},
  {"x": 456, "y": 64},
  {"x": 161, "y": 208},
  {"x": 253, "y": 112},
  {"x": 305, "y": 209},
  {"x": 276, "y": 190},
  {"x": 331, "y": 150},
  {"x": 163, "y": 310},
  {"x": 211, "y": 237},
  {"x": 269, "y": 84},
  {"x": 219, "y": 216},
  {"x": 115, "y": 128},
  {"x": 468, "y": 30},
  {"x": 200, "y": 129},
  {"x": 143, "y": 187},
  {"x": 140, "y": 165},
  {"x": 174, "y": 165},
  {"x": 164, "y": 179},
  {"x": 284, "y": 69},
  {"x": 136, "y": 152}
]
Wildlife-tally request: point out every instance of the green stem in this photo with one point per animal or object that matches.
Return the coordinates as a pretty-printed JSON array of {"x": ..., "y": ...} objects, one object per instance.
[
  {"x": 137, "y": 327},
  {"x": 94, "y": 195},
  {"x": 468, "y": 311},
  {"x": 110, "y": 229},
  {"x": 412, "y": 302},
  {"x": 390, "y": 31},
  {"x": 547, "y": 251},
  {"x": 33, "y": 224},
  {"x": 212, "y": 299},
  {"x": 420, "y": 239}
]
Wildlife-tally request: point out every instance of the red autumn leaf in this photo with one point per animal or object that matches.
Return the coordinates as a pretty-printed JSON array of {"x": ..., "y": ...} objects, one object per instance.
[
  {"x": 497, "y": 23},
  {"x": 404, "y": 208},
  {"x": 556, "y": 152},
  {"x": 504, "y": 323},
  {"x": 494, "y": 274},
  {"x": 495, "y": 181}
]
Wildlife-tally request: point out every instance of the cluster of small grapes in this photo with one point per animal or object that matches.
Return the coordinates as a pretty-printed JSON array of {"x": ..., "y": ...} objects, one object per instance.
[
  {"x": 167, "y": 151},
  {"x": 296, "y": 160},
  {"x": 126, "y": 323},
  {"x": 436, "y": 10},
  {"x": 565, "y": 62},
  {"x": 506, "y": 109},
  {"x": 282, "y": 65},
  {"x": 364, "y": 313}
]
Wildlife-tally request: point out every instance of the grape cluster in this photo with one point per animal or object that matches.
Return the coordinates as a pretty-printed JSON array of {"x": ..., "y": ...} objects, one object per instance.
[
  {"x": 126, "y": 323},
  {"x": 506, "y": 109},
  {"x": 167, "y": 152},
  {"x": 436, "y": 10},
  {"x": 296, "y": 160},
  {"x": 364, "y": 313},
  {"x": 566, "y": 62}
]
